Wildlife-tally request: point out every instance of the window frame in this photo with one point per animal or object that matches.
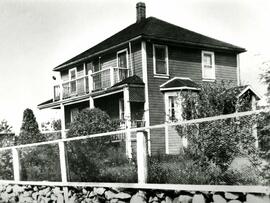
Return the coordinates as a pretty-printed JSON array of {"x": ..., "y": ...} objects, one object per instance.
[
  {"x": 72, "y": 80},
  {"x": 121, "y": 111},
  {"x": 177, "y": 108},
  {"x": 166, "y": 75},
  {"x": 213, "y": 76},
  {"x": 117, "y": 58}
]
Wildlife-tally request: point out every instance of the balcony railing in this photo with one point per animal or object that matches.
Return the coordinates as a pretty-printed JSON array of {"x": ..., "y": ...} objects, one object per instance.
[
  {"x": 107, "y": 77},
  {"x": 71, "y": 88},
  {"x": 99, "y": 80}
]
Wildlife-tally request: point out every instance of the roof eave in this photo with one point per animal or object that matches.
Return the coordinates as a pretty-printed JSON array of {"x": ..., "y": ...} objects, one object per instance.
[
  {"x": 236, "y": 49},
  {"x": 60, "y": 67}
]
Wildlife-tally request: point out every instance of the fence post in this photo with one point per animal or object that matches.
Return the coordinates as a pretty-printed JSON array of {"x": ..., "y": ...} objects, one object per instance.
[
  {"x": 62, "y": 154},
  {"x": 142, "y": 155},
  {"x": 16, "y": 164}
]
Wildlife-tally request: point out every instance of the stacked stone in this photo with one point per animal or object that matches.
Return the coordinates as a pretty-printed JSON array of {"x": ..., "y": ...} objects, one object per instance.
[
  {"x": 33, "y": 194},
  {"x": 44, "y": 194}
]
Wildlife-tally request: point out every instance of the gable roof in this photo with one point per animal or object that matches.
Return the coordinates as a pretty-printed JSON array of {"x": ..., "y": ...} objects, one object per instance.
[
  {"x": 178, "y": 83},
  {"x": 152, "y": 28},
  {"x": 240, "y": 91}
]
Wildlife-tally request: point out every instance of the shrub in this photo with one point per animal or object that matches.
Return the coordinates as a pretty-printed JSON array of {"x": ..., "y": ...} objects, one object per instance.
[{"x": 96, "y": 159}]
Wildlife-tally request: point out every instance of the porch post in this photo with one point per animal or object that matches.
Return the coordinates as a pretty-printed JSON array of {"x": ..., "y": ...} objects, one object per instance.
[
  {"x": 62, "y": 152},
  {"x": 127, "y": 117}
]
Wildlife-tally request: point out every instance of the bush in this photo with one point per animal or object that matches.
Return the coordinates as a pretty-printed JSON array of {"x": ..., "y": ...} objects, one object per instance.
[
  {"x": 183, "y": 169},
  {"x": 100, "y": 158},
  {"x": 40, "y": 163}
]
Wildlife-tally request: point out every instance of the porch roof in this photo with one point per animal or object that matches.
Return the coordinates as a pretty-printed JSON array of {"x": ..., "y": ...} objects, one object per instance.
[
  {"x": 136, "y": 80},
  {"x": 178, "y": 83}
]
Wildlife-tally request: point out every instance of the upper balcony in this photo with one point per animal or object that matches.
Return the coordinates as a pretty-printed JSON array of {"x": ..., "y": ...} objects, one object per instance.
[{"x": 96, "y": 81}]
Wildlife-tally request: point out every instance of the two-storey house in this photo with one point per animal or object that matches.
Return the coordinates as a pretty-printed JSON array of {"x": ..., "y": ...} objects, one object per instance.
[{"x": 136, "y": 74}]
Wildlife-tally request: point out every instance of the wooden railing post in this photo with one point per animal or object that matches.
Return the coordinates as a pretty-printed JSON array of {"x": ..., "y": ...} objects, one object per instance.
[
  {"x": 142, "y": 155},
  {"x": 90, "y": 81},
  {"x": 127, "y": 117},
  {"x": 62, "y": 153},
  {"x": 112, "y": 75},
  {"x": 16, "y": 164}
]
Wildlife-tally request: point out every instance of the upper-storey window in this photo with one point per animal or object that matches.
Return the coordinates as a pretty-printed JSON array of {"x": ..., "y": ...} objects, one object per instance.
[
  {"x": 72, "y": 78},
  {"x": 160, "y": 56},
  {"x": 208, "y": 65},
  {"x": 122, "y": 59}
]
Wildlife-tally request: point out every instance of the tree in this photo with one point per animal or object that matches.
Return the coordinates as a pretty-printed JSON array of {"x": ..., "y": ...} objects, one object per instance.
[
  {"x": 218, "y": 142},
  {"x": 6, "y": 139},
  {"x": 29, "y": 132},
  {"x": 5, "y": 127},
  {"x": 89, "y": 158},
  {"x": 41, "y": 162},
  {"x": 265, "y": 78}
]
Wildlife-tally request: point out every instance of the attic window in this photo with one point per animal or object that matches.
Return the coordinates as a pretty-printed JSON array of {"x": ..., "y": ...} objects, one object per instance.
[
  {"x": 160, "y": 57},
  {"x": 208, "y": 65}
]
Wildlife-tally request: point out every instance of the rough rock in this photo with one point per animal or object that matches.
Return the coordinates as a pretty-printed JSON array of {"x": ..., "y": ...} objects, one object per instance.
[
  {"x": 153, "y": 199},
  {"x": 109, "y": 195},
  {"x": 229, "y": 195},
  {"x": 257, "y": 199},
  {"x": 139, "y": 197},
  {"x": 9, "y": 189},
  {"x": 198, "y": 198},
  {"x": 122, "y": 195},
  {"x": 167, "y": 200},
  {"x": 219, "y": 199},
  {"x": 99, "y": 191},
  {"x": 183, "y": 199},
  {"x": 236, "y": 201}
]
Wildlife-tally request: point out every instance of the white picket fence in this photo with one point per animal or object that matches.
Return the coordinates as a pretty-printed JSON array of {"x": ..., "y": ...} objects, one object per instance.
[{"x": 141, "y": 161}]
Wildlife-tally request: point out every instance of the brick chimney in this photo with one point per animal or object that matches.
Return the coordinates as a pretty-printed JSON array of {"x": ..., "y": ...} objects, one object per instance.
[{"x": 140, "y": 11}]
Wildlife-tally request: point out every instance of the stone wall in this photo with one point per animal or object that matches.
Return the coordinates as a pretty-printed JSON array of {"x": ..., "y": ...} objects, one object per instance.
[{"x": 25, "y": 194}]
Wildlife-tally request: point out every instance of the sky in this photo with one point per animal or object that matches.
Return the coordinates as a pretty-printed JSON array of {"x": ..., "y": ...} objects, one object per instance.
[{"x": 37, "y": 35}]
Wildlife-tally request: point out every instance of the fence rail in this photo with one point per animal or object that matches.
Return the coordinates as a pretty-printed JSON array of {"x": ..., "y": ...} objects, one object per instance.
[{"x": 141, "y": 160}]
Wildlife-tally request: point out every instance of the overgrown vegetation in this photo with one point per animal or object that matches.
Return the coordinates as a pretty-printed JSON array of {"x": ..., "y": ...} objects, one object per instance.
[
  {"x": 213, "y": 146},
  {"x": 6, "y": 139},
  {"x": 97, "y": 159},
  {"x": 37, "y": 163}
]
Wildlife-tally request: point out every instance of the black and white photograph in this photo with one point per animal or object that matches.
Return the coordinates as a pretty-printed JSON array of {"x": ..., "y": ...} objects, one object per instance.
[{"x": 134, "y": 101}]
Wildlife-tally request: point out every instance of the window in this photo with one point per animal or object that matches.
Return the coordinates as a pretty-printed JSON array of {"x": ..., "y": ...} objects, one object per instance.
[
  {"x": 121, "y": 109},
  {"x": 160, "y": 56},
  {"x": 72, "y": 78},
  {"x": 122, "y": 59},
  {"x": 73, "y": 113},
  {"x": 172, "y": 105},
  {"x": 208, "y": 65}
]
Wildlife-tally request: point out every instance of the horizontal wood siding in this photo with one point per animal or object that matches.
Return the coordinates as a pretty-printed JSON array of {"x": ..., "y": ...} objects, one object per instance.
[
  {"x": 226, "y": 67},
  {"x": 156, "y": 105},
  {"x": 183, "y": 62},
  {"x": 80, "y": 71},
  {"x": 175, "y": 141},
  {"x": 64, "y": 75},
  {"x": 108, "y": 60},
  {"x": 137, "y": 59}
]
